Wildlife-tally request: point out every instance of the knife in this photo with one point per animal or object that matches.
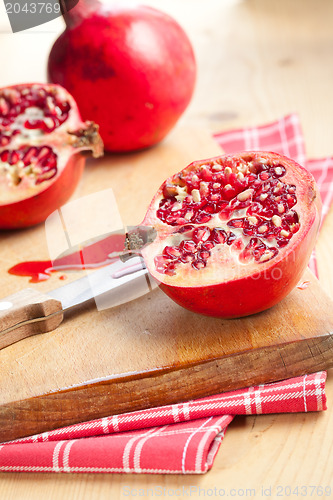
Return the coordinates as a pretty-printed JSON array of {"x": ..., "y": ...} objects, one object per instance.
[{"x": 30, "y": 312}]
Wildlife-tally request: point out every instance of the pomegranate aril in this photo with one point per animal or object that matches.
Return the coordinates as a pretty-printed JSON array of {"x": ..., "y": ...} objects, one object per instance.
[
  {"x": 13, "y": 158},
  {"x": 291, "y": 200},
  {"x": 185, "y": 229},
  {"x": 201, "y": 234},
  {"x": 264, "y": 176},
  {"x": 29, "y": 156},
  {"x": 49, "y": 174},
  {"x": 278, "y": 170},
  {"x": 202, "y": 218},
  {"x": 219, "y": 235},
  {"x": 259, "y": 251},
  {"x": 203, "y": 254},
  {"x": 161, "y": 262},
  {"x": 208, "y": 245},
  {"x": 4, "y": 156},
  {"x": 187, "y": 246},
  {"x": 268, "y": 254},
  {"x": 15, "y": 103},
  {"x": 4, "y": 141},
  {"x": 170, "y": 269},
  {"x": 206, "y": 173},
  {"x": 199, "y": 264},
  {"x": 231, "y": 238},
  {"x": 236, "y": 223},
  {"x": 172, "y": 252},
  {"x": 33, "y": 124},
  {"x": 186, "y": 257}
]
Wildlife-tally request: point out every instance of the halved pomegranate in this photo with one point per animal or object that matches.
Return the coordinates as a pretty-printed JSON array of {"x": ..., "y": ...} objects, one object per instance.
[
  {"x": 41, "y": 132},
  {"x": 235, "y": 232}
]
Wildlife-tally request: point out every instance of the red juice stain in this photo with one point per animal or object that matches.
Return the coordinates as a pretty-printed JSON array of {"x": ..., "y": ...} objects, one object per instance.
[{"x": 94, "y": 255}]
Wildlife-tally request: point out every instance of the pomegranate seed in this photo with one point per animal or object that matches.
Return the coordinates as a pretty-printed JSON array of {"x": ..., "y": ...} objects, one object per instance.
[
  {"x": 219, "y": 236},
  {"x": 225, "y": 188},
  {"x": 252, "y": 220},
  {"x": 202, "y": 218},
  {"x": 264, "y": 176},
  {"x": 188, "y": 246},
  {"x": 204, "y": 189},
  {"x": 171, "y": 252},
  {"x": 231, "y": 238},
  {"x": 201, "y": 234},
  {"x": 284, "y": 233},
  {"x": 4, "y": 156},
  {"x": 203, "y": 255},
  {"x": 185, "y": 229},
  {"x": 196, "y": 195},
  {"x": 277, "y": 221},
  {"x": 186, "y": 257},
  {"x": 170, "y": 269},
  {"x": 13, "y": 158},
  {"x": 262, "y": 229},
  {"x": 278, "y": 171},
  {"x": 208, "y": 245},
  {"x": 236, "y": 223},
  {"x": 291, "y": 200},
  {"x": 268, "y": 254},
  {"x": 4, "y": 141},
  {"x": 199, "y": 264},
  {"x": 206, "y": 174},
  {"x": 29, "y": 155}
]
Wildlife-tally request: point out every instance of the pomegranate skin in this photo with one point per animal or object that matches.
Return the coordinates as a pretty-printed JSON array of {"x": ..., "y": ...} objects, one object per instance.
[
  {"x": 34, "y": 210},
  {"x": 131, "y": 70},
  {"x": 249, "y": 295},
  {"x": 239, "y": 290}
]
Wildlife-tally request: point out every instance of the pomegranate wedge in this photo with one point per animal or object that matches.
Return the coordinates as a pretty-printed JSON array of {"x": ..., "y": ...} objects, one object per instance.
[
  {"x": 41, "y": 132},
  {"x": 235, "y": 232}
]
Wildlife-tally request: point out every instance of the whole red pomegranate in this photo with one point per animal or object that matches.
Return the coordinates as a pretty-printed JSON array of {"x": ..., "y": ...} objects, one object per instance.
[
  {"x": 130, "y": 69},
  {"x": 234, "y": 233},
  {"x": 41, "y": 134}
]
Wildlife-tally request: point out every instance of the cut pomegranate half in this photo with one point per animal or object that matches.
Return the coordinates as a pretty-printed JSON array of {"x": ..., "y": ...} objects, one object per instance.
[
  {"x": 235, "y": 232},
  {"x": 41, "y": 132}
]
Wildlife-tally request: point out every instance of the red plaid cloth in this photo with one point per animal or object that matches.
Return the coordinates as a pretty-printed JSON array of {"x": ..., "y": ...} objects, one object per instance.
[
  {"x": 176, "y": 439},
  {"x": 182, "y": 438}
]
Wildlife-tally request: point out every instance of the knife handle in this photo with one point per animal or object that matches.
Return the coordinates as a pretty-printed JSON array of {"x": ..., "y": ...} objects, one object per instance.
[{"x": 27, "y": 313}]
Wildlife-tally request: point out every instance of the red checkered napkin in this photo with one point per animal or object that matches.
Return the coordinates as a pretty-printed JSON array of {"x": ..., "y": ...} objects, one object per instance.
[
  {"x": 182, "y": 438},
  {"x": 176, "y": 439}
]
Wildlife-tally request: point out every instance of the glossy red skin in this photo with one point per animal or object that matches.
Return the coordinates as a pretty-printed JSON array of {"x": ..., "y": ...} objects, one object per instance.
[
  {"x": 249, "y": 295},
  {"x": 132, "y": 71},
  {"x": 260, "y": 291},
  {"x": 36, "y": 209}
]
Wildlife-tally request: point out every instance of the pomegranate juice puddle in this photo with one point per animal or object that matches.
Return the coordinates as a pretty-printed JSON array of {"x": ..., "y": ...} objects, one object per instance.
[{"x": 92, "y": 256}]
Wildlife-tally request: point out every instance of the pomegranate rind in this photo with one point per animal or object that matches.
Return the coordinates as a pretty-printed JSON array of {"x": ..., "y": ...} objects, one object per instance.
[
  {"x": 35, "y": 209},
  {"x": 223, "y": 288},
  {"x": 131, "y": 69}
]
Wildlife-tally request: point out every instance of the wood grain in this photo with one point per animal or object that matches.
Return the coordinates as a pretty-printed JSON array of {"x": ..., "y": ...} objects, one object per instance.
[
  {"x": 138, "y": 355},
  {"x": 27, "y": 313},
  {"x": 257, "y": 61}
]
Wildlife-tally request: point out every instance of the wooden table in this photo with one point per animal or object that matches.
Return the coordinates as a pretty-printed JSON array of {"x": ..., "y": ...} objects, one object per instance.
[{"x": 258, "y": 60}]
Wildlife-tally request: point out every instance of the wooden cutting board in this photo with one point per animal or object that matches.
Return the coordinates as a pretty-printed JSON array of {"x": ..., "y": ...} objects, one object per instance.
[{"x": 150, "y": 351}]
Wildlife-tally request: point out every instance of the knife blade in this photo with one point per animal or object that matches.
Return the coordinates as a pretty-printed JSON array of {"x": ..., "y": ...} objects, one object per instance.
[{"x": 29, "y": 312}]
